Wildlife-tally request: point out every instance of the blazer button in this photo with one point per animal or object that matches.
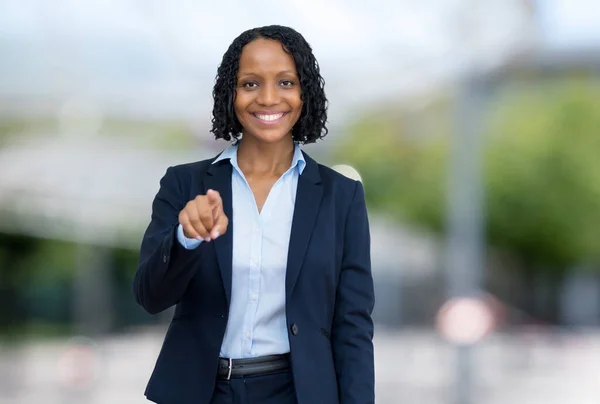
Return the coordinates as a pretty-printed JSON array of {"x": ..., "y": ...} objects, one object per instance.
[
  {"x": 294, "y": 329},
  {"x": 165, "y": 258}
]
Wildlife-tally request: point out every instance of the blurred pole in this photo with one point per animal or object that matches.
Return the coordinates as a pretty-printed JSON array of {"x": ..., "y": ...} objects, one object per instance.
[
  {"x": 464, "y": 244},
  {"x": 92, "y": 300},
  {"x": 92, "y": 309}
]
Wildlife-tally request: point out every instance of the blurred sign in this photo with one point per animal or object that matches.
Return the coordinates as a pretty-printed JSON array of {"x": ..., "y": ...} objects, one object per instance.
[
  {"x": 78, "y": 367},
  {"x": 465, "y": 321}
]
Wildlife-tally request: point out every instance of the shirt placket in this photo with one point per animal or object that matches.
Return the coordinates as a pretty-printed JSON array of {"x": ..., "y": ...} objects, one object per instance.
[{"x": 253, "y": 282}]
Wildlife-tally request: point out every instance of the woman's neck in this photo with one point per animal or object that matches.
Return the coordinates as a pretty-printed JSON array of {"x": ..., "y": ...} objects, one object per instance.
[{"x": 265, "y": 158}]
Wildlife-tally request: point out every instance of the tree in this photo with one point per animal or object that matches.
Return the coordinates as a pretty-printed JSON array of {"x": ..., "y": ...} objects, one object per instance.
[{"x": 541, "y": 174}]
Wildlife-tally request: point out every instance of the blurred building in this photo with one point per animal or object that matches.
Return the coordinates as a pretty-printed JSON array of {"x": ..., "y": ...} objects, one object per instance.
[{"x": 73, "y": 73}]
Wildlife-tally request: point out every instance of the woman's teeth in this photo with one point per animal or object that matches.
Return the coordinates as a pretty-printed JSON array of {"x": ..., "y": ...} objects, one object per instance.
[{"x": 269, "y": 118}]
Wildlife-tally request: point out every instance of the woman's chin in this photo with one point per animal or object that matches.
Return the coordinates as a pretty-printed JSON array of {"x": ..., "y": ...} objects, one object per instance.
[{"x": 270, "y": 136}]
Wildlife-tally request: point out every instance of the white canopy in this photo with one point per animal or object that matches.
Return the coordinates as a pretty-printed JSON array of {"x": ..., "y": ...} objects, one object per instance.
[
  {"x": 96, "y": 190},
  {"x": 99, "y": 191}
]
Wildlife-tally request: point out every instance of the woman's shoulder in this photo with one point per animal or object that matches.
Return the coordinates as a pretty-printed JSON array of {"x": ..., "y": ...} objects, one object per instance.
[
  {"x": 193, "y": 167},
  {"x": 339, "y": 182},
  {"x": 329, "y": 176},
  {"x": 200, "y": 165},
  {"x": 335, "y": 175}
]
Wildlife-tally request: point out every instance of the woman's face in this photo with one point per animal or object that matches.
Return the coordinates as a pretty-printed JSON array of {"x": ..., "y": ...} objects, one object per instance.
[{"x": 268, "y": 97}]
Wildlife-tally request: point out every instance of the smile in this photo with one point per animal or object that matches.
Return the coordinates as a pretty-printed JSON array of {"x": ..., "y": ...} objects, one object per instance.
[{"x": 270, "y": 118}]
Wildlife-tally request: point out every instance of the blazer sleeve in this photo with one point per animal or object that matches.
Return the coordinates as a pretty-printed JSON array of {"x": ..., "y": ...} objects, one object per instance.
[
  {"x": 165, "y": 267},
  {"x": 352, "y": 329}
]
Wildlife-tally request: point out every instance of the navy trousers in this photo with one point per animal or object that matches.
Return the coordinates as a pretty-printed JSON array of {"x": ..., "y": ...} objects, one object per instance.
[{"x": 273, "y": 388}]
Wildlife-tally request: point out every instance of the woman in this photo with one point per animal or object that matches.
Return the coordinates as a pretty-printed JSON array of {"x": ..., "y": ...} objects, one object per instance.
[{"x": 264, "y": 252}]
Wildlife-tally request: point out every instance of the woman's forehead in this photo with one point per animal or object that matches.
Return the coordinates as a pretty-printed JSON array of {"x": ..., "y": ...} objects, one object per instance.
[{"x": 265, "y": 55}]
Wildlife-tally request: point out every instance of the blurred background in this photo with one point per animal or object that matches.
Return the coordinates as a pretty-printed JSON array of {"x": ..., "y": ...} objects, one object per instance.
[{"x": 474, "y": 126}]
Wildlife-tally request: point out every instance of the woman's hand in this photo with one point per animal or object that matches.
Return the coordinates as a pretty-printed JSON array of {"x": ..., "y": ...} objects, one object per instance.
[{"x": 203, "y": 218}]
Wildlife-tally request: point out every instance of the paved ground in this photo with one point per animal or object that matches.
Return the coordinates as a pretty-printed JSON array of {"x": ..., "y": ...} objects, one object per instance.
[{"x": 412, "y": 367}]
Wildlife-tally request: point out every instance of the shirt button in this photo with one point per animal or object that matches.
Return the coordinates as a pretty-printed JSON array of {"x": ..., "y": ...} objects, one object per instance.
[
  {"x": 247, "y": 334},
  {"x": 253, "y": 297}
]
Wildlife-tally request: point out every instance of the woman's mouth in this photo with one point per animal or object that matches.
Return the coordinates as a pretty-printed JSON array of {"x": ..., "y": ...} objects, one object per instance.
[{"x": 269, "y": 119}]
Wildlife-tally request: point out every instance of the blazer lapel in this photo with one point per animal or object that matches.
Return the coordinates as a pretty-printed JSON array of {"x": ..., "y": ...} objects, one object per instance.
[
  {"x": 219, "y": 178},
  {"x": 308, "y": 200}
]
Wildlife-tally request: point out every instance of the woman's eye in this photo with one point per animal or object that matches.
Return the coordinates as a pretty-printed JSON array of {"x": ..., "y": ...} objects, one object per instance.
[
  {"x": 287, "y": 83},
  {"x": 250, "y": 85}
]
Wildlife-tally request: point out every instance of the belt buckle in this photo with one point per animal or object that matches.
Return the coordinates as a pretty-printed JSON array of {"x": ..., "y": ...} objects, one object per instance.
[{"x": 229, "y": 369}]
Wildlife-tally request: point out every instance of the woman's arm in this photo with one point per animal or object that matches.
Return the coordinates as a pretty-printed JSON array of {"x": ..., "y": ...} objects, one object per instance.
[
  {"x": 165, "y": 267},
  {"x": 352, "y": 331}
]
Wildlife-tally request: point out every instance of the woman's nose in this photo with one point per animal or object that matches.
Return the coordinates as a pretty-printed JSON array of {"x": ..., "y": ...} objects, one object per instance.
[{"x": 269, "y": 95}]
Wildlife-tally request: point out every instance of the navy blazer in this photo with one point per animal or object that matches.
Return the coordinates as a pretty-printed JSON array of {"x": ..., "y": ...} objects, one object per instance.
[{"x": 329, "y": 288}]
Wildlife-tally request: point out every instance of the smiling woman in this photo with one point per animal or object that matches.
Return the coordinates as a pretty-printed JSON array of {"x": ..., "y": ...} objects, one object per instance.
[
  {"x": 276, "y": 307},
  {"x": 268, "y": 99},
  {"x": 260, "y": 61}
]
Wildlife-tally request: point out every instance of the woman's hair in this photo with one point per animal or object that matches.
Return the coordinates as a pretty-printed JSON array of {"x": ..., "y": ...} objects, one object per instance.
[{"x": 311, "y": 124}]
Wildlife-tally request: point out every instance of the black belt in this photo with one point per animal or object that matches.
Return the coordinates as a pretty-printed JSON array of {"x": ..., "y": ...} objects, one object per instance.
[{"x": 252, "y": 366}]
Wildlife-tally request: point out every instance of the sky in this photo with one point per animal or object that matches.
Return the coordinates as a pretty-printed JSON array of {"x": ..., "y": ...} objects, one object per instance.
[
  {"x": 153, "y": 56},
  {"x": 570, "y": 23}
]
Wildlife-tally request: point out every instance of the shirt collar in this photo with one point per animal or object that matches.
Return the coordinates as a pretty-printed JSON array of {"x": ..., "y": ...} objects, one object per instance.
[{"x": 231, "y": 154}]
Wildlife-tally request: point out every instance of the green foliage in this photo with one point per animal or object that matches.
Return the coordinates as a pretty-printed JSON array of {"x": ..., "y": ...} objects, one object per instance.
[
  {"x": 125, "y": 263},
  {"x": 15, "y": 268},
  {"x": 17, "y": 127},
  {"x": 37, "y": 284},
  {"x": 159, "y": 134},
  {"x": 16, "y": 259},
  {"x": 53, "y": 261},
  {"x": 541, "y": 171},
  {"x": 396, "y": 176},
  {"x": 543, "y": 174}
]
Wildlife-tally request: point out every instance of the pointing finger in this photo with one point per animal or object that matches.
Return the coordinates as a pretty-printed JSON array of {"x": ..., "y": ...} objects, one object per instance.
[{"x": 214, "y": 198}]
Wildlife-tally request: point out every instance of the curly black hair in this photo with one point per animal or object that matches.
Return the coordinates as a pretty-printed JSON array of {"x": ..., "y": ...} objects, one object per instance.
[{"x": 311, "y": 124}]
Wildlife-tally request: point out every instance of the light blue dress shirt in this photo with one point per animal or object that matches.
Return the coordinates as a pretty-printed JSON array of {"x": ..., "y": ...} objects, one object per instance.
[{"x": 257, "y": 323}]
